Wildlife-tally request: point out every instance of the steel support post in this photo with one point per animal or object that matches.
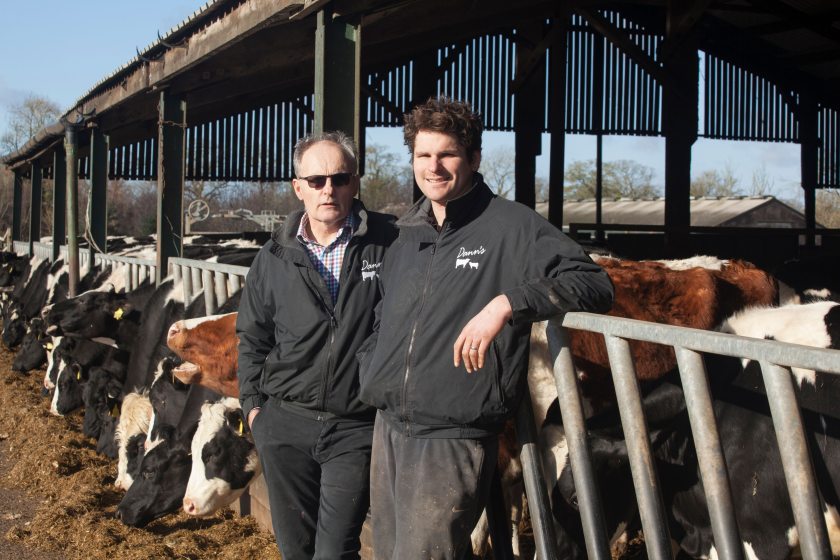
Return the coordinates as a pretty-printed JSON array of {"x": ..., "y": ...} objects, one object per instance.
[
  {"x": 17, "y": 202},
  {"x": 557, "y": 119},
  {"x": 98, "y": 191},
  {"x": 701, "y": 415},
  {"x": 796, "y": 462},
  {"x": 424, "y": 85},
  {"x": 528, "y": 118},
  {"x": 72, "y": 190},
  {"x": 539, "y": 505},
  {"x": 59, "y": 210},
  {"x": 36, "y": 188},
  {"x": 807, "y": 115},
  {"x": 574, "y": 428},
  {"x": 679, "y": 115},
  {"x": 172, "y": 124},
  {"x": 645, "y": 480},
  {"x": 338, "y": 63}
]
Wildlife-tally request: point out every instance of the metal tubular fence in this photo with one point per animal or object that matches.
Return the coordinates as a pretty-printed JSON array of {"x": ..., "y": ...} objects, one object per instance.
[
  {"x": 776, "y": 359},
  {"x": 219, "y": 281}
]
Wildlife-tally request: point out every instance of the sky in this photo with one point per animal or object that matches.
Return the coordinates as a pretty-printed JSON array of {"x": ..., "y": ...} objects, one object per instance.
[{"x": 60, "y": 49}]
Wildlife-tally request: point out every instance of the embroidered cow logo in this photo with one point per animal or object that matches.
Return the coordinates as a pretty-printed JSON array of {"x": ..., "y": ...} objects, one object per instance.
[
  {"x": 463, "y": 259},
  {"x": 370, "y": 270}
]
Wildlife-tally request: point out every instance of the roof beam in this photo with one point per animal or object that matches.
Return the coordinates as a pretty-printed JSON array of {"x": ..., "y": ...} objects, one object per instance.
[{"x": 243, "y": 21}]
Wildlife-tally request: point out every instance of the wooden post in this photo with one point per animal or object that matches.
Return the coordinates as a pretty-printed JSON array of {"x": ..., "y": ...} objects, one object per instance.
[
  {"x": 557, "y": 119},
  {"x": 172, "y": 124},
  {"x": 72, "y": 189},
  {"x": 35, "y": 206},
  {"x": 529, "y": 113},
  {"x": 98, "y": 191},
  {"x": 598, "y": 121},
  {"x": 808, "y": 143},
  {"x": 338, "y": 50},
  {"x": 59, "y": 202},
  {"x": 679, "y": 115},
  {"x": 17, "y": 201}
]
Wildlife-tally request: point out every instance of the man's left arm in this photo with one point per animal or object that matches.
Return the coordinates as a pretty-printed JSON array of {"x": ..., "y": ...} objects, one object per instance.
[{"x": 560, "y": 277}]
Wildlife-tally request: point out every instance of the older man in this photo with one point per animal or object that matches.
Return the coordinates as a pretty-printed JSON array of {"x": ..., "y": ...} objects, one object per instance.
[
  {"x": 468, "y": 275},
  {"x": 307, "y": 305}
]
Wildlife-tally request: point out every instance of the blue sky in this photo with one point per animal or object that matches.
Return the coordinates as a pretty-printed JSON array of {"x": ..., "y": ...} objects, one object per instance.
[{"x": 60, "y": 49}]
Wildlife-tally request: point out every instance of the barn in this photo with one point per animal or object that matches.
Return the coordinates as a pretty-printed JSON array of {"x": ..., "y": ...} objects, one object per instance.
[{"x": 213, "y": 100}]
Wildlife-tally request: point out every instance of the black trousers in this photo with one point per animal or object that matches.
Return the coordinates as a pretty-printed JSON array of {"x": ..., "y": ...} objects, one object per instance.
[
  {"x": 318, "y": 476},
  {"x": 427, "y": 494}
]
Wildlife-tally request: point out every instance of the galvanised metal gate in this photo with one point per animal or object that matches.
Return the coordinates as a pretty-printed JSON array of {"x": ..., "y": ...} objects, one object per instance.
[{"x": 775, "y": 359}]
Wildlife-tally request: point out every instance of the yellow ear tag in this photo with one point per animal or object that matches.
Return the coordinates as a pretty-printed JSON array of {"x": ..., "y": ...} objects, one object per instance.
[
  {"x": 78, "y": 376},
  {"x": 49, "y": 346},
  {"x": 115, "y": 412},
  {"x": 118, "y": 314},
  {"x": 241, "y": 427}
]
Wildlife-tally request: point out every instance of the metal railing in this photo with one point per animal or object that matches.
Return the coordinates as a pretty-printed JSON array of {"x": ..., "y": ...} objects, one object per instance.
[
  {"x": 775, "y": 359},
  {"x": 42, "y": 250},
  {"x": 136, "y": 270},
  {"x": 20, "y": 247},
  {"x": 219, "y": 281}
]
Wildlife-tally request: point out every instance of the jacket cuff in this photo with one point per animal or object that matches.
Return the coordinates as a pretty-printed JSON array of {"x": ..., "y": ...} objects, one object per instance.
[
  {"x": 250, "y": 403},
  {"x": 521, "y": 312}
]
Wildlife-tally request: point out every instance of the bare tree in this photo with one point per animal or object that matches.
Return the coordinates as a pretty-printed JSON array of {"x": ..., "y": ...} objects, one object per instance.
[
  {"x": 499, "y": 169},
  {"x": 713, "y": 182},
  {"x": 762, "y": 183},
  {"x": 27, "y": 118},
  {"x": 620, "y": 179},
  {"x": 828, "y": 207},
  {"x": 387, "y": 181}
]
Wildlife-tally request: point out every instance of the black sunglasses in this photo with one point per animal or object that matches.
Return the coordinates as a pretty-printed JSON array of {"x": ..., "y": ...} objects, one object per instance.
[{"x": 320, "y": 181}]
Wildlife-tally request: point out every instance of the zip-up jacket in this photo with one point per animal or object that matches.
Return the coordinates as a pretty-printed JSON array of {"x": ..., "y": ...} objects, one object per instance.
[
  {"x": 434, "y": 282},
  {"x": 293, "y": 344}
]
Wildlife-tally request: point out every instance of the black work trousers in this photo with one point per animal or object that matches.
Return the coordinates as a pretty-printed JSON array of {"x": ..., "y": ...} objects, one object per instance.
[
  {"x": 427, "y": 494},
  {"x": 317, "y": 471}
]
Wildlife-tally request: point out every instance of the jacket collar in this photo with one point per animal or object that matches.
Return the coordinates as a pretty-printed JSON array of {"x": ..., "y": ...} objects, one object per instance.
[
  {"x": 286, "y": 234},
  {"x": 458, "y": 211}
]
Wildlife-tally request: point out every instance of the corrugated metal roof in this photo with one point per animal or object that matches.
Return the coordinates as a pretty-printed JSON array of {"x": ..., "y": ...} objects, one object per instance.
[{"x": 707, "y": 211}]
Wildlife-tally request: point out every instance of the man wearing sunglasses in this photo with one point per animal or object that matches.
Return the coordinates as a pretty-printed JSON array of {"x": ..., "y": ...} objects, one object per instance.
[
  {"x": 447, "y": 365},
  {"x": 307, "y": 305}
]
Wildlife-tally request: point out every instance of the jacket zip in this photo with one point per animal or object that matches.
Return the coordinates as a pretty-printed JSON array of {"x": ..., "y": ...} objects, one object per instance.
[{"x": 414, "y": 329}]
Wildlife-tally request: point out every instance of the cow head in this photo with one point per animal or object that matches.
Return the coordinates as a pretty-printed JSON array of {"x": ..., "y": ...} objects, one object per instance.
[
  {"x": 224, "y": 459},
  {"x": 14, "y": 325},
  {"x": 161, "y": 482},
  {"x": 90, "y": 315},
  {"x": 133, "y": 424},
  {"x": 32, "y": 353},
  {"x": 208, "y": 348}
]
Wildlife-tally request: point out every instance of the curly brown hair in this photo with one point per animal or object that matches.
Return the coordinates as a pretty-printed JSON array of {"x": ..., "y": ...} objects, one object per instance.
[{"x": 449, "y": 116}]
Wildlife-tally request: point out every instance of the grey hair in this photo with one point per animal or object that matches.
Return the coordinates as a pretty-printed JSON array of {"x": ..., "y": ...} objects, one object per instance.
[{"x": 337, "y": 137}]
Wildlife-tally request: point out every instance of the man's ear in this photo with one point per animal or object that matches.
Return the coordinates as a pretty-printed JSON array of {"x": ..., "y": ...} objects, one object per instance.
[
  {"x": 475, "y": 160},
  {"x": 296, "y": 185}
]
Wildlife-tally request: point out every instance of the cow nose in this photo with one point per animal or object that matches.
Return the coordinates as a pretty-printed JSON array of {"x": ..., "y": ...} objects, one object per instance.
[{"x": 189, "y": 506}]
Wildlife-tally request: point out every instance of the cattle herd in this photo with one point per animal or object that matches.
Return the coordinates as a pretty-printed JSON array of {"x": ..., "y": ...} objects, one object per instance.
[{"x": 156, "y": 379}]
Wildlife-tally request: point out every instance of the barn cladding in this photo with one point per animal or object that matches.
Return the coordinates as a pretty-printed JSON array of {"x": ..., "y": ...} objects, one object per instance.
[{"x": 199, "y": 105}]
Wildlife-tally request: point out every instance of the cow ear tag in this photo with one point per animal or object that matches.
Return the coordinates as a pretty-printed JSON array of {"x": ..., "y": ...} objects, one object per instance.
[
  {"x": 115, "y": 411},
  {"x": 118, "y": 314},
  {"x": 241, "y": 427},
  {"x": 49, "y": 346}
]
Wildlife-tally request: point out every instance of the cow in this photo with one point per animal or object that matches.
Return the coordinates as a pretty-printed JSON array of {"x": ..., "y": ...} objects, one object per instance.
[
  {"x": 130, "y": 436},
  {"x": 224, "y": 459},
  {"x": 32, "y": 353},
  {"x": 165, "y": 467},
  {"x": 208, "y": 346},
  {"x": 762, "y": 509}
]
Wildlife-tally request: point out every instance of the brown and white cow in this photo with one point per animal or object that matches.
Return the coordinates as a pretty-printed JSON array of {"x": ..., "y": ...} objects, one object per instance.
[{"x": 208, "y": 348}]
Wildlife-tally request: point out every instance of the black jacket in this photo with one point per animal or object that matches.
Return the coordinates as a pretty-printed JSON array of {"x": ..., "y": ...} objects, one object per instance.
[
  {"x": 435, "y": 282},
  {"x": 293, "y": 345}
]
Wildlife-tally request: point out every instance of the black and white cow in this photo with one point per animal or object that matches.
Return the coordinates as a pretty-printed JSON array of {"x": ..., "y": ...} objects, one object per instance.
[{"x": 224, "y": 459}]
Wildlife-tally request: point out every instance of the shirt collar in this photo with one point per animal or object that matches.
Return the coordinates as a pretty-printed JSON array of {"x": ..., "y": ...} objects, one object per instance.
[{"x": 345, "y": 232}]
